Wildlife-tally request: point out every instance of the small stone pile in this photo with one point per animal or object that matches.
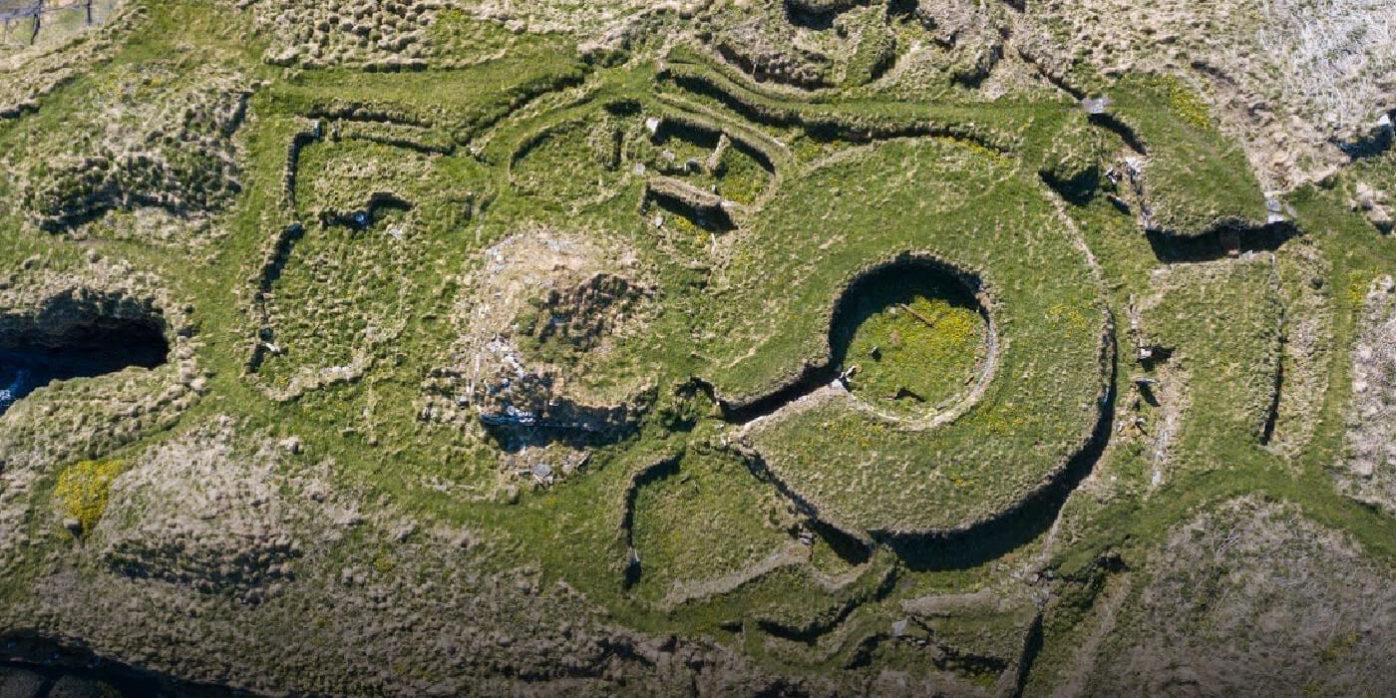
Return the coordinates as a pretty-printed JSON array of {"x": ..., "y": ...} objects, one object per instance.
[
  {"x": 1376, "y": 205},
  {"x": 581, "y": 316},
  {"x": 544, "y": 312}
]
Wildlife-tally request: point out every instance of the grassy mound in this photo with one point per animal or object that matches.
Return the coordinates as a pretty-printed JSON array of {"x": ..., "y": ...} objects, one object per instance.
[
  {"x": 705, "y": 519},
  {"x": 964, "y": 207},
  {"x": 1222, "y": 323},
  {"x": 1195, "y": 179}
]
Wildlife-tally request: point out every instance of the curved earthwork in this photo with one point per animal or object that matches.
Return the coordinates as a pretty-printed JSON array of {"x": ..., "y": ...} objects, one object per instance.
[{"x": 887, "y": 473}]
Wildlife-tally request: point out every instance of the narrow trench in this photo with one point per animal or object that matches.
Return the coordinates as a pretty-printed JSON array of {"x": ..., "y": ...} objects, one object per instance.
[
  {"x": 810, "y": 633},
  {"x": 29, "y": 360},
  {"x": 1032, "y": 647},
  {"x": 651, "y": 474},
  {"x": 1272, "y": 411},
  {"x": 1121, "y": 129},
  {"x": 713, "y": 220}
]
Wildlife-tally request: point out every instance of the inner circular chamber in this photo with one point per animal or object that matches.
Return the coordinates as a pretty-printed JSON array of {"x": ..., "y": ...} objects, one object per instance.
[{"x": 911, "y": 336}]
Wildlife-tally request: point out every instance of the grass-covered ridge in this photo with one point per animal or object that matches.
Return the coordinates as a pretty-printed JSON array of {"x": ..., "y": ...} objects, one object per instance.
[
  {"x": 866, "y": 472},
  {"x": 1194, "y": 179},
  {"x": 556, "y": 204},
  {"x": 702, "y": 523}
]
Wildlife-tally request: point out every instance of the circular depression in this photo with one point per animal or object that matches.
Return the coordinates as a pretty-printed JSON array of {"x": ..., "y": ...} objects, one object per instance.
[{"x": 913, "y": 338}]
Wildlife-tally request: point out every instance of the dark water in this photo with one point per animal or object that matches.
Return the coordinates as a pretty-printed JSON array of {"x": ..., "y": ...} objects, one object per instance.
[
  {"x": 26, "y": 367},
  {"x": 64, "y": 673},
  {"x": 24, "y": 680}
]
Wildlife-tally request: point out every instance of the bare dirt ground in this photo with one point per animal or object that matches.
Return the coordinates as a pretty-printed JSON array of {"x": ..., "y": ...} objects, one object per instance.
[
  {"x": 1245, "y": 601},
  {"x": 1368, "y": 469}
]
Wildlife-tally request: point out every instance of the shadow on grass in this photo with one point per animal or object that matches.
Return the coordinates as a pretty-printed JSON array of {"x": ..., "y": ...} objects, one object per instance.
[{"x": 1219, "y": 243}]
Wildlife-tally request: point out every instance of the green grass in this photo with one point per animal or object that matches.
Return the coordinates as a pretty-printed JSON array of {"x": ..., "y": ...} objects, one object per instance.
[
  {"x": 931, "y": 198},
  {"x": 1195, "y": 178},
  {"x": 746, "y": 317},
  {"x": 876, "y": 48},
  {"x": 709, "y": 519},
  {"x": 601, "y": 151},
  {"x": 461, "y": 104},
  {"x": 1225, "y": 460},
  {"x": 831, "y": 116},
  {"x": 1223, "y": 323},
  {"x": 584, "y": 150},
  {"x": 918, "y": 350},
  {"x": 457, "y": 37},
  {"x": 341, "y": 176}
]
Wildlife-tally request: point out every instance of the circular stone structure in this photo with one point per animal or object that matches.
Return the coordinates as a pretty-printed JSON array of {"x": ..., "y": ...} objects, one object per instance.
[
  {"x": 1029, "y": 425},
  {"x": 913, "y": 338}
]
